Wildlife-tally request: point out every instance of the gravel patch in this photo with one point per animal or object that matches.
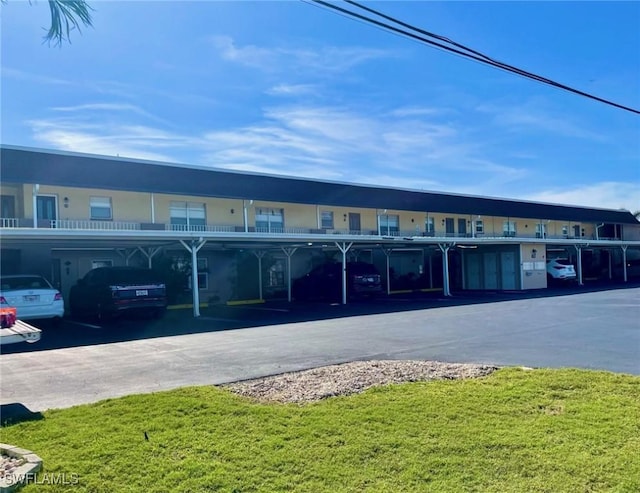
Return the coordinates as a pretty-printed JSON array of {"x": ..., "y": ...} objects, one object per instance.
[{"x": 350, "y": 378}]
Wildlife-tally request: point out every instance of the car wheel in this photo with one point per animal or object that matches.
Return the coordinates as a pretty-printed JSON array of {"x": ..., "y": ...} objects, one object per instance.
[{"x": 158, "y": 312}]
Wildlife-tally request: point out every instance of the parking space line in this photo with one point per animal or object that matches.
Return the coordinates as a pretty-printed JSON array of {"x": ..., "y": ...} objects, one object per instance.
[{"x": 84, "y": 324}]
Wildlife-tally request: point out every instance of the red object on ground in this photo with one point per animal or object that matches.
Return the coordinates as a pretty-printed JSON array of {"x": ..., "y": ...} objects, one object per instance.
[{"x": 8, "y": 315}]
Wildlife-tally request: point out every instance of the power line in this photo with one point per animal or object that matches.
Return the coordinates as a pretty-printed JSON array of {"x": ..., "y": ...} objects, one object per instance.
[{"x": 456, "y": 48}]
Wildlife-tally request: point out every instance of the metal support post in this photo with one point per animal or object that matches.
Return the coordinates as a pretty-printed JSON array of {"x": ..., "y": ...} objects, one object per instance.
[
  {"x": 289, "y": 253},
  {"x": 259, "y": 255},
  {"x": 193, "y": 248},
  {"x": 344, "y": 248},
  {"x": 444, "y": 248}
]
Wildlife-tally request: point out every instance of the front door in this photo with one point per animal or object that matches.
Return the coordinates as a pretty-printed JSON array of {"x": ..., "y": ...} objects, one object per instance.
[
  {"x": 462, "y": 227},
  {"x": 46, "y": 207},
  {"x": 448, "y": 227},
  {"x": 7, "y": 206},
  {"x": 354, "y": 222}
]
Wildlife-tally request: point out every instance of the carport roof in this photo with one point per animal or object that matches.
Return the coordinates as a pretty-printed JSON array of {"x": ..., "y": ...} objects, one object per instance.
[{"x": 28, "y": 165}]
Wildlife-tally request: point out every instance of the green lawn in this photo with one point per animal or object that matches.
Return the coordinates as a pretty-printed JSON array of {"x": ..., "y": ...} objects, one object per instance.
[{"x": 514, "y": 431}]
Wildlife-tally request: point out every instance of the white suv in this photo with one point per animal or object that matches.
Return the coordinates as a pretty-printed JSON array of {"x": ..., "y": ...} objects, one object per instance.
[{"x": 560, "y": 269}]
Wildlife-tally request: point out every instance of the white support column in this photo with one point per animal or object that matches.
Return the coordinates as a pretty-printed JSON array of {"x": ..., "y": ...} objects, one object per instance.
[
  {"x": 245, "y": 215},
  {"x": 153, "y": 209},
  {"x": 150, "y": 254},
  {"x": 444, "y": 248},
  {"x": 624, "y": 261},
  {"x": 193, "y": 248},
  {"x": 610, "y": 269},
  {"x": 289, "y": 253},
  {"x": 344, "y": 248},
  {"x": 259, "y": 255},
  {"x": 579, "y": 262},
  {"x": 430, "y": 269},
  {"x": 126, "y": 255},
  {"x": 36, "y": 189},
  {"x": 387, "y": 253}
]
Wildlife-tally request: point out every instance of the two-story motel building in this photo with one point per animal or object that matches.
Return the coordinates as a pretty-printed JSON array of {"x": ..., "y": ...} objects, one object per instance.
[{"x": 63, "y": 214}]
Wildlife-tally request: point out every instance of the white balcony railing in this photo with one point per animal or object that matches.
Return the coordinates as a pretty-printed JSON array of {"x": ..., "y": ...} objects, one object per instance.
[
  {"x": 93, "y": 225},
  {"x": 200, "y": 228},
  {"x": 79, "y": 224},
  {"x": 9, "y": 222}
]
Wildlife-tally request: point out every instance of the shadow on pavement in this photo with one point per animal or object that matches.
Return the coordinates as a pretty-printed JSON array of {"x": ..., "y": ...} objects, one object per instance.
[{"x": 77, "y": 333}]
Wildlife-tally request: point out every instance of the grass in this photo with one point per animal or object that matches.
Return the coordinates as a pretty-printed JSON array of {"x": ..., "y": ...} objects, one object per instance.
[{"x": 514, "y": 431}]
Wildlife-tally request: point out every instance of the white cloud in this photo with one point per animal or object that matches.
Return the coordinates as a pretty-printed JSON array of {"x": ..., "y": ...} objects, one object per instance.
[
  {"x": 292, "y": 89},
  {"x": 31, "y": 77},
  {"x": 323, "y": 59},
  {"x": 330, "y": 143},
  {"x": 608, "y": 195},
  {"x": 107, "y": 107},
  {"x": 419, "y": 111},
  {"x": 532, "y": 115}
]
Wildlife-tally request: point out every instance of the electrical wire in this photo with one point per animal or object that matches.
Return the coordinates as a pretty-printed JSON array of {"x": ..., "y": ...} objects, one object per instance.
[{"x": 455, "y": 48}]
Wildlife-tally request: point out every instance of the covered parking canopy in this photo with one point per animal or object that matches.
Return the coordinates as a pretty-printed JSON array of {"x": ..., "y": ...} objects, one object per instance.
[{"x": 149, "y": 243}]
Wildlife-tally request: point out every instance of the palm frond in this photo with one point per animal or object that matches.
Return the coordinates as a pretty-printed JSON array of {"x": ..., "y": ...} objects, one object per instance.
[{"x": 67, "y": 15}]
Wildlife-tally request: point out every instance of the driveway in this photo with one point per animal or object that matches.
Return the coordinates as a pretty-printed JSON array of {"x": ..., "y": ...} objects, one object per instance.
[{"x": 596, "y": 330}]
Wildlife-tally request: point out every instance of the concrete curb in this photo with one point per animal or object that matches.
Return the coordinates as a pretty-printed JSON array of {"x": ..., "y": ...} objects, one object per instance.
[{"x": 26, "y": 472}]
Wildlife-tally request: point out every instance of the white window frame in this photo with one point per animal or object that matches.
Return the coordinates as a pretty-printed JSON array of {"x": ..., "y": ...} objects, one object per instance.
[
  {"x": 479, "y": 226},
  {"x": 187, "y": 215},
  {"x": 104, "y": 262},
  {"x": 326, "y": 220},
  {"x": 203, "y": 275},
  {"x": 269, "y": 220},
  {"x": 389, "y": 223},
  {"x": 509, "y": 228},
  {"x": 100, "y": 203},
  {"x": 430, "y": 225}
]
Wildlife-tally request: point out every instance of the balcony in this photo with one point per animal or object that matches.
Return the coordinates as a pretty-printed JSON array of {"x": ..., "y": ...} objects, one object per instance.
[{"x": 96, "y": 225}]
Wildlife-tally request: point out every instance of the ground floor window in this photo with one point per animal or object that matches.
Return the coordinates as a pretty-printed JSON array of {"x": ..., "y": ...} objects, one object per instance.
[{"x": 101, "y": 263}]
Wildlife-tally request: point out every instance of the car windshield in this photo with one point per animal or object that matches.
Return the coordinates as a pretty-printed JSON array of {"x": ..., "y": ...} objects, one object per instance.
[
  {"x": 24, "y": 282},
  {"x": 362, "y": 268},
  {"x": 563, "y": 261},
  {"x": 131, "y": 276}
]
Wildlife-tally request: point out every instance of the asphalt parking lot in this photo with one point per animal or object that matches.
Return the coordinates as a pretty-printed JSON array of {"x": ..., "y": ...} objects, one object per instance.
[{"x": 81, "y": 361}]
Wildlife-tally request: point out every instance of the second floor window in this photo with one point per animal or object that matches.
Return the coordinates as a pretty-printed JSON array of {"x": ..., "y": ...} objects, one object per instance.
[
  {"x": 509, "y": 228},
  {"x": 269, "y": 220},
  {"x": 188, "y": 215},
  {"x": 100, "y": 208},
  {"x": 389, "y": 224},
  {"x": 429, "y": 225},
  {"x": 326, "y": 219},
  {"x": 479, "y": 226}
]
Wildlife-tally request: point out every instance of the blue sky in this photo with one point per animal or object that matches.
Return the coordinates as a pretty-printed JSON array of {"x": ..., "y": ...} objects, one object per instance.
[{"x": 289, "y": 88}]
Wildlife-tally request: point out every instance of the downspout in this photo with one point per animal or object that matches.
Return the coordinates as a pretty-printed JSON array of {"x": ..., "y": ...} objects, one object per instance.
[{"x": 598, "y": 226}]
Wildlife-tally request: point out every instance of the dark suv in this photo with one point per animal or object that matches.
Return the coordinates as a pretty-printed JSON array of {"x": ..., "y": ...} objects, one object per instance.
[
  {"x": 325, "y": 281},
  {"x": 107, "y": 291}
]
